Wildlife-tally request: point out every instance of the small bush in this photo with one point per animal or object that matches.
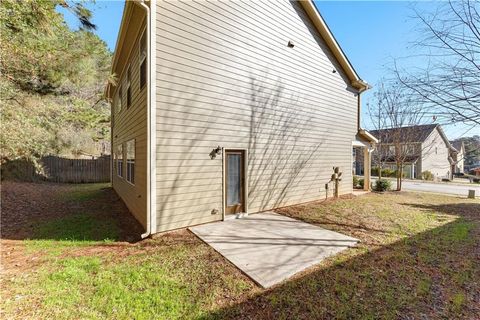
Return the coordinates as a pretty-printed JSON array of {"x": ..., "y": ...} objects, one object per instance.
[
  {"x": 355, "y": 181},
  {"x": 389, "y": 173},
  {"x": 361, "y": 183},
  {"x": 383, "y": 185},
  {"x": 385, "y": 172},
  {"x": 445, "y": 180},
  {"x": 427, "y": 175}
]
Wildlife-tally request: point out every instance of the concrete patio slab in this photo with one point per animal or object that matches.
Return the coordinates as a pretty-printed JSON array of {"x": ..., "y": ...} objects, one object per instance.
[{"x": 269, "y": 247}]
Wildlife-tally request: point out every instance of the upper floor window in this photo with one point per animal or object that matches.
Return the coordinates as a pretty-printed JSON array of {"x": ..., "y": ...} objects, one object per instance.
[
  {"x": 391, "y": 149},
  {"x": 119, "y": 99},
  {"x": 143, "y": 60},
  {"x": 407, "y": 149},
  {"x": 130, "y": 145},
  {"x": 129, "y": 87}
]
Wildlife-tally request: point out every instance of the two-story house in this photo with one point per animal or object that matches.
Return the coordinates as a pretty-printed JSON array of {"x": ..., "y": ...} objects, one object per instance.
[
  {"x": 229, "y": 107},
  {"x": 420, "y": 148}
]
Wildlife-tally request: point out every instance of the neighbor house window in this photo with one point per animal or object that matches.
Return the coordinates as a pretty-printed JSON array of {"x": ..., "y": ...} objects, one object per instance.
[
  {"x": 391, "y": 149},
  {"x": 119, "y": 99},
  {"x": 119, "y": 157},
  {"x": 129, "y": 88},
  {"x": 143, "y": 60},
  {"x": 130, "y": 145},
  {"x": 407, "y": 149}
]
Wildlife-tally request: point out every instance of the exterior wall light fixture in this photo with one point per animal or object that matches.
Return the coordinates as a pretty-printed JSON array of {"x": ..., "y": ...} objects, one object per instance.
[
  {"x": 217, "y": 151},
  {"x": 291, "y": 44}
]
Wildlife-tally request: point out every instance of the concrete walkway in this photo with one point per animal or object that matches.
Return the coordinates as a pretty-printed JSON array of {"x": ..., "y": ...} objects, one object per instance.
[{"x": 269, "y": 247}]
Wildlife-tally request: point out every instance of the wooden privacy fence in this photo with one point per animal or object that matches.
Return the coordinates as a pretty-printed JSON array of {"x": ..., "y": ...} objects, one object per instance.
[{"x": 58, "y": 169}]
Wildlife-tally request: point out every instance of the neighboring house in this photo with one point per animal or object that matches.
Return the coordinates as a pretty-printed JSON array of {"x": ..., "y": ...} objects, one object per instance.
[
  {"x": 458, "y": 155},
  {"x": 422, "y": 147},
  {"x": 229, "y": 107}
]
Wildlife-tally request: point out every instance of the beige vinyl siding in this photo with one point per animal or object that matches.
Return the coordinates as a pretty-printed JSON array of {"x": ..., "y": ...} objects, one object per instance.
[
  {"x": 435, "y": 162},
  {"x": 131, "y": 124},
  {"x": 225, "y": 77}
]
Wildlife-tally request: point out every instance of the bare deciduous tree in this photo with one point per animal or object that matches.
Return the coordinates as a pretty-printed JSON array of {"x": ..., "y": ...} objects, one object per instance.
[
  {"x": 396, "y": 116},
  {"x": 448, "y": 82}
]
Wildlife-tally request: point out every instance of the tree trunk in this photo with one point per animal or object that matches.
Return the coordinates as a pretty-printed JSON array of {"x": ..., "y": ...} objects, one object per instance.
[
  {"x": 399, "y": 181},
  {"x": 400, "y": 175}
]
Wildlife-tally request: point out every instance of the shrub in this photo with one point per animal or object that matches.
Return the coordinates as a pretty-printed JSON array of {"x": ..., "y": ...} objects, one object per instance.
[
  {"x": 427, "y": 175},
  {"x": 382, "y": 185},
  {"x": 445, "y": 180},
  {"x": 355, "y": 181},
  {"x": 385, "y": 172},
  {"x": 389, "y": 173},
  {"x": 361, "y": 183}
]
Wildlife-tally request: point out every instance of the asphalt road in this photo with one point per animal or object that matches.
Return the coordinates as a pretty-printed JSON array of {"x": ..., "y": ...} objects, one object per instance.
[{"x": 445, "y": 188}]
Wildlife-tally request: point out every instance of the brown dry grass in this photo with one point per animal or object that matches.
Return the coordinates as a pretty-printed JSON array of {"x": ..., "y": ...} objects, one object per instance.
[{"x": 418, "y": 258}]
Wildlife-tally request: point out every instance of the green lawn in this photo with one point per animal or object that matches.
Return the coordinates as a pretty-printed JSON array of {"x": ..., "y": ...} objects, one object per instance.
[{"x": 418, "y": 258}]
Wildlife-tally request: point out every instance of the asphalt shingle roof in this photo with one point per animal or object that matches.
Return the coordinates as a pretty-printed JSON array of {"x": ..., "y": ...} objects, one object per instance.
[{"x": 407, "y": 134}]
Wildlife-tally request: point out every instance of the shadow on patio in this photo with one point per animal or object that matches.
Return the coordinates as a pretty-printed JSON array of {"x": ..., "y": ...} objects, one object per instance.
[{"x": 434, "y": 273}]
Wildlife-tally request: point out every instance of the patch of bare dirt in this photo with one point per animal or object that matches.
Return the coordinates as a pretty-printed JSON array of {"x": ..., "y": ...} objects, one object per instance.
[
  {"x": 26, "y": 205},
  {"x": 15, "y": 260}
]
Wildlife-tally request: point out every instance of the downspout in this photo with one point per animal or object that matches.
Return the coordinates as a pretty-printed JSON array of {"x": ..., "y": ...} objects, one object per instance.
[
  {"x": 148, "y": 230},
  {"x": 363, "y": 87},
  {"x": 358, "y": 110}
]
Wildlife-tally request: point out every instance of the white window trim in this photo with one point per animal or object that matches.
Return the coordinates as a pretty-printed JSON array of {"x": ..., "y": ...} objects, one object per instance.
[
  {"x": 126, "y": 161},
  {"x": 116, "y": 164},
  {"x": 119, "y": 99}
]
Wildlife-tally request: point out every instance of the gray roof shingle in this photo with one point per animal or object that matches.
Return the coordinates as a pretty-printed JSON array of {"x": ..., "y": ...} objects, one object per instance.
[{"x": 407, "y": 134}]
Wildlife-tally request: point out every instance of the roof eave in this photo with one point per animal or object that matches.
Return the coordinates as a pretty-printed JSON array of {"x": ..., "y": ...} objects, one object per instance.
[
  {"x": 333, "y": 45},
  {"x": 121, "y": 32},
  {"x": 444, "y": 137},
  {"x": 368, "y": 136}
]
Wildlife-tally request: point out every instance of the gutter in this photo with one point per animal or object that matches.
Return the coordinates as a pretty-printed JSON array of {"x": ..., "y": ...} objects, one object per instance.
[{"x": 150, "y": 211}]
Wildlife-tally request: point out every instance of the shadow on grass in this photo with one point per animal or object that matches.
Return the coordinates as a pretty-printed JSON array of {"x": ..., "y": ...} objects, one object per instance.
[
  {"x": 68, "y": 213},
  {"x": 434, "y": 273},
  {"x": 468, "y": 209}
]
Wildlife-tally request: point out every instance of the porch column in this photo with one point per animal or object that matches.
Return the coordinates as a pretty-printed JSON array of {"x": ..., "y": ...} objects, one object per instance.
[{"x": 367, "y": 166}]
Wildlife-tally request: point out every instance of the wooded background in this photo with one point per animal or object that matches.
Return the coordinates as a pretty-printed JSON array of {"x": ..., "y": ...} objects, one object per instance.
[{"x": 52, "y": 81}]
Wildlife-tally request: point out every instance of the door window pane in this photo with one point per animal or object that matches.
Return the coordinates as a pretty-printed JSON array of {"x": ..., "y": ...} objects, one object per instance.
[{"x": 234, "y": 164}]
